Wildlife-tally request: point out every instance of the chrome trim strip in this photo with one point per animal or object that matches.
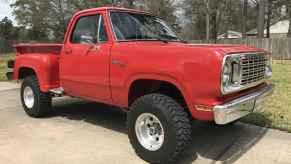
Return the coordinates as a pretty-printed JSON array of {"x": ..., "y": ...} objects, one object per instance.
[
  {"x": 240, "y": 87},
  {"x": 98, "y": 32},
  {"x": 242, "y": 106}
]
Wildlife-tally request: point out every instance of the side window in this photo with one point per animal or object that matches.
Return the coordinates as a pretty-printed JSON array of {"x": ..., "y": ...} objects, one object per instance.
[
  {"x": 85, "y": 30},
  {"x": 89, "y": 30},
  {"x": 102, "y": 35}
]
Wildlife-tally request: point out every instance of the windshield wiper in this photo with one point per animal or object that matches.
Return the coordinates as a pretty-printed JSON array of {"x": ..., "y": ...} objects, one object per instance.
[
  {"x": 174, "y": 38},
  {"x": 184, "y": 41},
  {"x": 162, "y": 40}
]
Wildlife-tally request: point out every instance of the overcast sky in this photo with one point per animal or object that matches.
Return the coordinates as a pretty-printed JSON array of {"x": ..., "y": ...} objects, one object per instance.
[{"x": 5, "y": 10}]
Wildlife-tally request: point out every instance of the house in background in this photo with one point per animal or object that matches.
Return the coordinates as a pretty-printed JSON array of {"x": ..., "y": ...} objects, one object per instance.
[
  {"x": 277, "y": 30},
  {"x": 230, "y": 35}
]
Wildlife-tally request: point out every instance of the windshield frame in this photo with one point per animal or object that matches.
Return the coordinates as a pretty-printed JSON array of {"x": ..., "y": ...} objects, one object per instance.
[{"x": 141, "y": 13}]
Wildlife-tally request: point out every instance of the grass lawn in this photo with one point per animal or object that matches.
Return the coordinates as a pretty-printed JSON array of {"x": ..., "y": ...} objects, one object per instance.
[
  {"x": 3, "y": 65},
  {"x": 277, "y": 111}
]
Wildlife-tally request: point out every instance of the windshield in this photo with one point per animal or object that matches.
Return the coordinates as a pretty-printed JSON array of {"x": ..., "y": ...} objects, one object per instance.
[{"x": 134, "y": 26}]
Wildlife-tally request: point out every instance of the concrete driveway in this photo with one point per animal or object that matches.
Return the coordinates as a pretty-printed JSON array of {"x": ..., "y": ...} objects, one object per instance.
[{"x": 80, "y": 132}]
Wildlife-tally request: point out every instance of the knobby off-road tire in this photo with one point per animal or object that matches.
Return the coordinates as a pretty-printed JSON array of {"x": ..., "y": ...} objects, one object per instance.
[
  {"x": 175, "y": 126},
  {"x": 35, "y": 103}
]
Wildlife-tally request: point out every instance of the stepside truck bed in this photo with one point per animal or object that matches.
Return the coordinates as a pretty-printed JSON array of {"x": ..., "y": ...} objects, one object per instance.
[{"x": 39, "y": 59}]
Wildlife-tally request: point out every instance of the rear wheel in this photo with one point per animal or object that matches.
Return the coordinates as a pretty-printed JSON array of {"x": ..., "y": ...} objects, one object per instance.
[
  {"x": 158, "y": 128},
  {"x": 35, "y": 103}
]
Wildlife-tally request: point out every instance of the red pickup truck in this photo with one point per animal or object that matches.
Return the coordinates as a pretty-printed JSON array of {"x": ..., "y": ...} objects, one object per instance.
[{"x": 134, "y": 60}]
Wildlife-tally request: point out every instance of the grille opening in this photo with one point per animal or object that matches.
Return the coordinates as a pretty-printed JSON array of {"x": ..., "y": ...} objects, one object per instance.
[{"x": 253, "y": 68}]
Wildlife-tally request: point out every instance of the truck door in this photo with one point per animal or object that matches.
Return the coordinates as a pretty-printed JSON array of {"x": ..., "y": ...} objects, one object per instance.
[{"x": 85, "y": 61}]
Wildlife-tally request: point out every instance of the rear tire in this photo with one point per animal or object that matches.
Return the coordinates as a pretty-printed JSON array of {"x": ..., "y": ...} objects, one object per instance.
[
  {"x": 35, "y": 103},
  {"x": 174, "y": 125}
]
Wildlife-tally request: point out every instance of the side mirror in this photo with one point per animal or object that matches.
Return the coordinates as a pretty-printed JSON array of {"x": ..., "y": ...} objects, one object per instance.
[{"x": 87, "y": 39}]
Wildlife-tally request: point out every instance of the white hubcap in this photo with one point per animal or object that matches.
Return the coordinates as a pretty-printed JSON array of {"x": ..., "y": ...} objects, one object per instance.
[
  {"x": 28, "y": 97},
  {"x": 149, "y": 131}
]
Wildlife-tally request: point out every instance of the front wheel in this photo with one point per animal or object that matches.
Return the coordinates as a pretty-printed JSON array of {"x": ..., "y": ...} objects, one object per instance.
[
  {"x": 158, "y": 128},
  {"x": 35, "y": 103}
]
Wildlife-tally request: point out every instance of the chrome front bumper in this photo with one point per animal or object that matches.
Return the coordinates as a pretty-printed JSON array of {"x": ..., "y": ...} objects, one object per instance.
[{"x": 242, "y": 106}]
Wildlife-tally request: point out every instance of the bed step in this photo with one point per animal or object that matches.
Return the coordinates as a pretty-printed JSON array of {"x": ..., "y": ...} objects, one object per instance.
[{"x": 58, "y": 91}]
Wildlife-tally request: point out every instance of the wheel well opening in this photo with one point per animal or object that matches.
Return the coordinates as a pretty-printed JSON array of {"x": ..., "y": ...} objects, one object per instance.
[
  {"x": 24, "y": 72},
  {"x": 140, "y": 88}
]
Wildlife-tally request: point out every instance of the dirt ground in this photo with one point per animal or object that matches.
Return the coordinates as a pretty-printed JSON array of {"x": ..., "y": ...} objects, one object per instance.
[{"x": 89, "y": 133}]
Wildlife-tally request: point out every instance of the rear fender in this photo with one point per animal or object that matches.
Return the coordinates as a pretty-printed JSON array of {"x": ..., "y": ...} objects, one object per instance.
[{"x": 46, "y": 68}]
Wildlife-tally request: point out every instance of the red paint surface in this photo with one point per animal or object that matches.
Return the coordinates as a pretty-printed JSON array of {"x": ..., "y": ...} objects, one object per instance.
[{"x": 82, "y": 72}]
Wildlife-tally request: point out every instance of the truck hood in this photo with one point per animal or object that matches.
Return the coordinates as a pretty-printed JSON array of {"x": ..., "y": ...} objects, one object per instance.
[
  {"x": 222, "y": 49},
  {"x": 227, "y": 48}
]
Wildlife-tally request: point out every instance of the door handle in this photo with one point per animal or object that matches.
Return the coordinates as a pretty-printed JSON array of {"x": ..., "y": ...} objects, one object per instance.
[
  {"x": 96, "y": 48},
  {"x": 119, "y": 63},
  {"x": 93, "y": 48}
]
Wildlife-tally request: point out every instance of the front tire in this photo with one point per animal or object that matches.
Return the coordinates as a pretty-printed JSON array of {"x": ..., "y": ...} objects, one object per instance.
[
  {"x": 158, "y": 128},
  {"x": 35, "y": 103}
]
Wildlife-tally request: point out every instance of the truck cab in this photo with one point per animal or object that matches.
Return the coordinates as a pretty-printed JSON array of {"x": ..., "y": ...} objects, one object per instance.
[{"x": 134, "y": 60}]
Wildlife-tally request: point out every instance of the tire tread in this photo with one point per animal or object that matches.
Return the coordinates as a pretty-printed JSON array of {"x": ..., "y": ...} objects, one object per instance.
[
  {"x": 180, "y": 120},
  {"x": 43, "y": 99}
]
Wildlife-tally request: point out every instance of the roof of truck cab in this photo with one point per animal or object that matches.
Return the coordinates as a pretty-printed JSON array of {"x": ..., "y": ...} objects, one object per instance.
[{"x": 111, "y": 8}]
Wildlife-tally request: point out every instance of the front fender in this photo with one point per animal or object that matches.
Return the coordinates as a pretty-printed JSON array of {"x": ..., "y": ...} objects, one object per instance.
[{"x": 120, "y": 93}]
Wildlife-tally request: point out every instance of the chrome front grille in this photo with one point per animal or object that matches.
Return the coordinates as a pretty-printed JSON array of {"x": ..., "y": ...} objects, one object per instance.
[{"x": 253, "y": 68}]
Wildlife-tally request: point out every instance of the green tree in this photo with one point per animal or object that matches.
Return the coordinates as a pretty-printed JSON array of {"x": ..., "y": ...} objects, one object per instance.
[
  {"x": 6, "y": 28},
  {"x": 33, "y": 14},
  {"x": 45, "y": 20},
  {"x": 48, "y": 19},
  {"x": 207, "y": 16},
  {"x": 127, "y": 3},
  {"x": 162, "y": 8}
]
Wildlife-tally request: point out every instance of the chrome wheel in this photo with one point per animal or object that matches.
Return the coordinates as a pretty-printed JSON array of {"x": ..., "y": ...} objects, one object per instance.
[
  {"x": 28, "y": 97},
  {"x": 149, "y": 131}
]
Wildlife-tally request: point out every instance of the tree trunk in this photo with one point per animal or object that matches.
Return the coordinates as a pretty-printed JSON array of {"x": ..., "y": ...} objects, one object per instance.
[
  {"x": 268, "y": 18},
  {"x": 130, "y": 3},
  {"x": 289, "y": 18},
  {"x": 214, "y": 27},
  {"x": 207, "y": 19},
  {"x": 64, "y": 25},
  {"x": 261, "y": 19},
  {"x": 228, "y": 18},
  {"x": 127, "y": 3},
  {"x": 245, "y": 16}
]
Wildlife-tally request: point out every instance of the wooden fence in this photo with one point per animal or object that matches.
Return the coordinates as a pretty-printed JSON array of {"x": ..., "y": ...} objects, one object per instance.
[{"x": 279, "y": 47}]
